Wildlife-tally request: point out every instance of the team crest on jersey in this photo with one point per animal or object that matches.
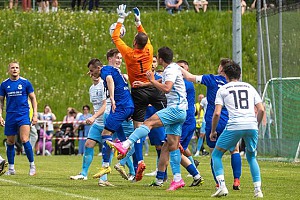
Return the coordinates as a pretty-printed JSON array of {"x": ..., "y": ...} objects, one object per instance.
[{"x": 20, "y": 87}]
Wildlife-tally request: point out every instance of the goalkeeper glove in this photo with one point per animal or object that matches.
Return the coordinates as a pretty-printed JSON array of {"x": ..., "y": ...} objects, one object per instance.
[
  {"x": 137, "y": 16},
  {"x": 121, "y": 10}
]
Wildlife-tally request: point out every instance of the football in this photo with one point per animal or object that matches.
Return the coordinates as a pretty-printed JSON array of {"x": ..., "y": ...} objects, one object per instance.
[{"x": 122, "y": 31}]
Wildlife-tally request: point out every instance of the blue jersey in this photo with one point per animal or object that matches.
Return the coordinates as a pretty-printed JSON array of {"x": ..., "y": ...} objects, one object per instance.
[
  {"x": 190, "y": 91},
  {"x": 16, "y": 93},
  {"x": 213, "y": 83},
  {"x": 122, "y": 94}
]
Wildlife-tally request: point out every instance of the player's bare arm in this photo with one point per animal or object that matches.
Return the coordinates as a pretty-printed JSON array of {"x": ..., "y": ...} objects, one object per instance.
[
  {"x": 100, "y": 112},
  {"x": 260, "y": 112},
  {"x": 188, "y": 76},
  {"x": 32, "y": 98},
  {"x": 111, "y": 89},
  {"x": 1, "y": 109},
  {"x": 166, "y": 87}
]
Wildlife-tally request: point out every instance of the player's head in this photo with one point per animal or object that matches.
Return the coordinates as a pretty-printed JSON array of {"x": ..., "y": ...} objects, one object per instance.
[
  {"x": 232, "y": 71},
  {"x": 140, "y": 40},
  {"x": 114, "y": 58},
  {"x": 223, "y": 62},
  {"x": 165, "y": 55},
  {"x": 95, "y": 66},
  {"x": 183, "y": 64},
  {"x": 200, "y": 97},
  {"x": 14, "y": 69},
  {"x": 154, "y": 62}
]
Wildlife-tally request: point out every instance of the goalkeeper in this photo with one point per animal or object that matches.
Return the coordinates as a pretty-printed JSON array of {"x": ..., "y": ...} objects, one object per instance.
[{"x": 138, "y": 61}]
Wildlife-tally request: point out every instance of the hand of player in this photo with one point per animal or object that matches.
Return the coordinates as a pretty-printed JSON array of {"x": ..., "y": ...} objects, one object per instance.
[
  {"x": 150, "y": 75},
  {"x": 121, "y": 10},
  {"x": 213, "y": 136},
  {"x": 137, "y": 15},
  {"x": 2, "y": 122},
  {"x": 34, "y": 120},
  {"x": 137, "y": 84},
  {"x": 90, "y": 120}
]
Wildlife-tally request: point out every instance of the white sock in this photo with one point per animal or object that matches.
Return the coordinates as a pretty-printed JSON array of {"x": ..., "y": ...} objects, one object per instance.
[
  {"x": 11, "y": 166},
  {"x": 105, "y": 164},
  {"x": 31, "y": 164},
  {"x": 39, "y": 9},
  {"x": 257, "y": 185},
  {"x": 221, "y": 181},
  {"x": 197, "y": 177},
  {"x": 127, "y": 143},
  {"x": 159, "y": 181},
  {"x": 177, "y": 177}
]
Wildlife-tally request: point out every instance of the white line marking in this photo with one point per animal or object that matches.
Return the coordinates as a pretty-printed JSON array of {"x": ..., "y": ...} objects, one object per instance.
[{"x": 48, "y": 190}]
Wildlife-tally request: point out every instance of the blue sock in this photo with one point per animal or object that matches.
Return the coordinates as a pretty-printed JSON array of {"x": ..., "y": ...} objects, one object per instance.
[
  {"x": 158, "y": 151},
  {"x": 138, "y": 147},
  {"x": 129, "y": 164},
  {"x": 127, "y": 157},
  {"x": 217, "y": 162},
  {"x": 87, "y": 160},
  {"x": 212, "y": 170},
  {"x": 192, "y": 160},
  {"x": 106, "y": 150},
  {"x": 199, "y": 144},
  {"x": 254, "y": 167},
  {"x": 175, "y": 158},
  {"x": 192, "y": 170},
  {"x": 28, "y": 151},
  {"x": 160, "y": 175},
  {"x": 138, "y": 133},
  {"x": 236, "y": 164},
  {"x": 10, "y": 153}
]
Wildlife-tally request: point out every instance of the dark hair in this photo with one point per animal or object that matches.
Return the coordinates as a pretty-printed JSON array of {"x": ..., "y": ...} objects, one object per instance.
[
  {"x": 225, "y": 61},
  {"x": 183, "y": 61},
  {"x": 232, "y": 70},
  {"x": 95, "y": 62},
  {"x": 166, "y": 54},
  {"x": 86, "y": 106},
  {"x": 141, "y": 40},
  {"x": 111, "y": 53}
]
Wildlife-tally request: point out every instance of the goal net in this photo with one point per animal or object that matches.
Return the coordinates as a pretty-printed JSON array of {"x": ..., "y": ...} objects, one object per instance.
[{"x": 279, "y": 133}]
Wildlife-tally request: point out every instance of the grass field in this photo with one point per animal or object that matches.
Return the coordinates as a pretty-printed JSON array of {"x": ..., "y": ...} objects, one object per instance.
[{"x": 280, "y": 181}]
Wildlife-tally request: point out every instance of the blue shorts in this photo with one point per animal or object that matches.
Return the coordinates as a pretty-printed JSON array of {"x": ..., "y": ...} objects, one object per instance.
[
  {"x": 172, "y": 119},
  {"x": 95, "y": 133},
  {"x": 13, "y": 122},
  {"x": 188, "y": 129},
  {"x": 203, "y": 125},
  {"x": 115, "y": 119},
  {"x": 220, "y": 128},
  {"x": 229, "y": 139}
]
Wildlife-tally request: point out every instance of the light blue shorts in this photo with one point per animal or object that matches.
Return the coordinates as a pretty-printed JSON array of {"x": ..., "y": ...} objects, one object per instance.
[
  {"x": 229, "y": 139},
  {"x": 95, "y": 133},
  {"x": 172, "y": 119}
]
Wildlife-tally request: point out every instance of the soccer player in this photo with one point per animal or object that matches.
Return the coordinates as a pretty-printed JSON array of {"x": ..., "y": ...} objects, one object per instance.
[
  {"x": 213, "y": 83},
  {"x": 3, "y": 165},
  {"x": 138, "y": 61},
  {"x": 121, "y": 105},
  {"x": 17, "y": 90},
  {"x": 171, "y": 117},
  {"x": 240, "y": 99},
  {"x": 98, "y": 99}
]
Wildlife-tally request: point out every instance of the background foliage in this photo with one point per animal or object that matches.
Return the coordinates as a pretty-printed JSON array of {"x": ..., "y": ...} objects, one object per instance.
[{"x": 53, "y": 49}]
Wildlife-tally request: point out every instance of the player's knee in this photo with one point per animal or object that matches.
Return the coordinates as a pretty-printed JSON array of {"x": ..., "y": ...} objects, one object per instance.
[{"x": 250, "y": 155}]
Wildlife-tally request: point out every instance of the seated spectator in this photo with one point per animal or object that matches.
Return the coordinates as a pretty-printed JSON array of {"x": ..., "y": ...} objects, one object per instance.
[
  {"x": 173, "y": 6},
  {"x": 58, "y": 134},
  {"x": 66, "y": 142},
  {"x": 198, "y": 4},
  {"x": 48, "y": 141}
]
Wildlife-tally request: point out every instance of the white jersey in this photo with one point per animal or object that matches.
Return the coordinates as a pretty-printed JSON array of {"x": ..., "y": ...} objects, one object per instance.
[
  {"x": 239, "y": 99},
  {"x": 177, "y": 96},
  {"x": 97, "y": 95},
  {"x": 203, "y": 104}
]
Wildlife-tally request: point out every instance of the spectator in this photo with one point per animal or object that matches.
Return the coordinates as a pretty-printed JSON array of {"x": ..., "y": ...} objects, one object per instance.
[
  {"x": 83, "y": 128},
  {"x": 54, "y": 5},
  {"x": 58, "y": 134},
  {"x": 48, "y": 116},
  {"x": 66, "y": 142},
  {"x": 48, "y": 141},
  {"x": 198, "y": 4},
  {"x": 91, "y": 5},
  {"x": 73, "y": 4},
  {"x": 173, "y": 6},
  {"x": 26, "y": 5}
]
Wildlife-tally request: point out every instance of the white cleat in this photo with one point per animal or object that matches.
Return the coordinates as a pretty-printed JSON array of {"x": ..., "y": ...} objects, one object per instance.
[
  {"x": 78, "y": 177},
  {"x": 258, "y": 194},
  {"x": 151, "y": 173},
  {"x": 220, "y": 192},
  {"x": 32, "y": 170},
  {"x": 10, "y": 172}
]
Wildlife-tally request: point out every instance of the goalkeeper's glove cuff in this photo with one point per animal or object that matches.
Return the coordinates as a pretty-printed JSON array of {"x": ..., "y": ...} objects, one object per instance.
[
  {"x": 138, "y": 23},
  {"x": 121, "y": 20}
]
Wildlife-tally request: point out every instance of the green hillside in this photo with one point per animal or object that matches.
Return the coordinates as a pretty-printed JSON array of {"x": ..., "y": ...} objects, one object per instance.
[{"x": 54, "y": 49}]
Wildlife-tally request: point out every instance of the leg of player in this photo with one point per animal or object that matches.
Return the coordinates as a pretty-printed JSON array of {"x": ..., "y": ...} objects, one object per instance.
[
  {"x": 236, "y": 164},
  {"x": 191, "y": 168},
  {"x": 24, "y": 134}
]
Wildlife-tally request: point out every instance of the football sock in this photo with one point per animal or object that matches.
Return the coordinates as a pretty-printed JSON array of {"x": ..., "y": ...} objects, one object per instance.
[
  {"x": 212, "y": 170},
  {"x": 138, "y": 147},
  {"x": 199, "y": 143},
  {"x": 192, "y": 170},
  {"x": 106, "y": 150},
  {"x": 254, "y": 167},
  {"x": 138, "y": 133},
  {"x": 192, "y": 160},
  {"x": 28, "y": 151},
  {"x": 217, "y": 162},
  {"x": 10, "y": 153},
  {"x": 175, "y": 158},
  {"x": 236, "y": 164},
  {"x": 87, "y": 160}
]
